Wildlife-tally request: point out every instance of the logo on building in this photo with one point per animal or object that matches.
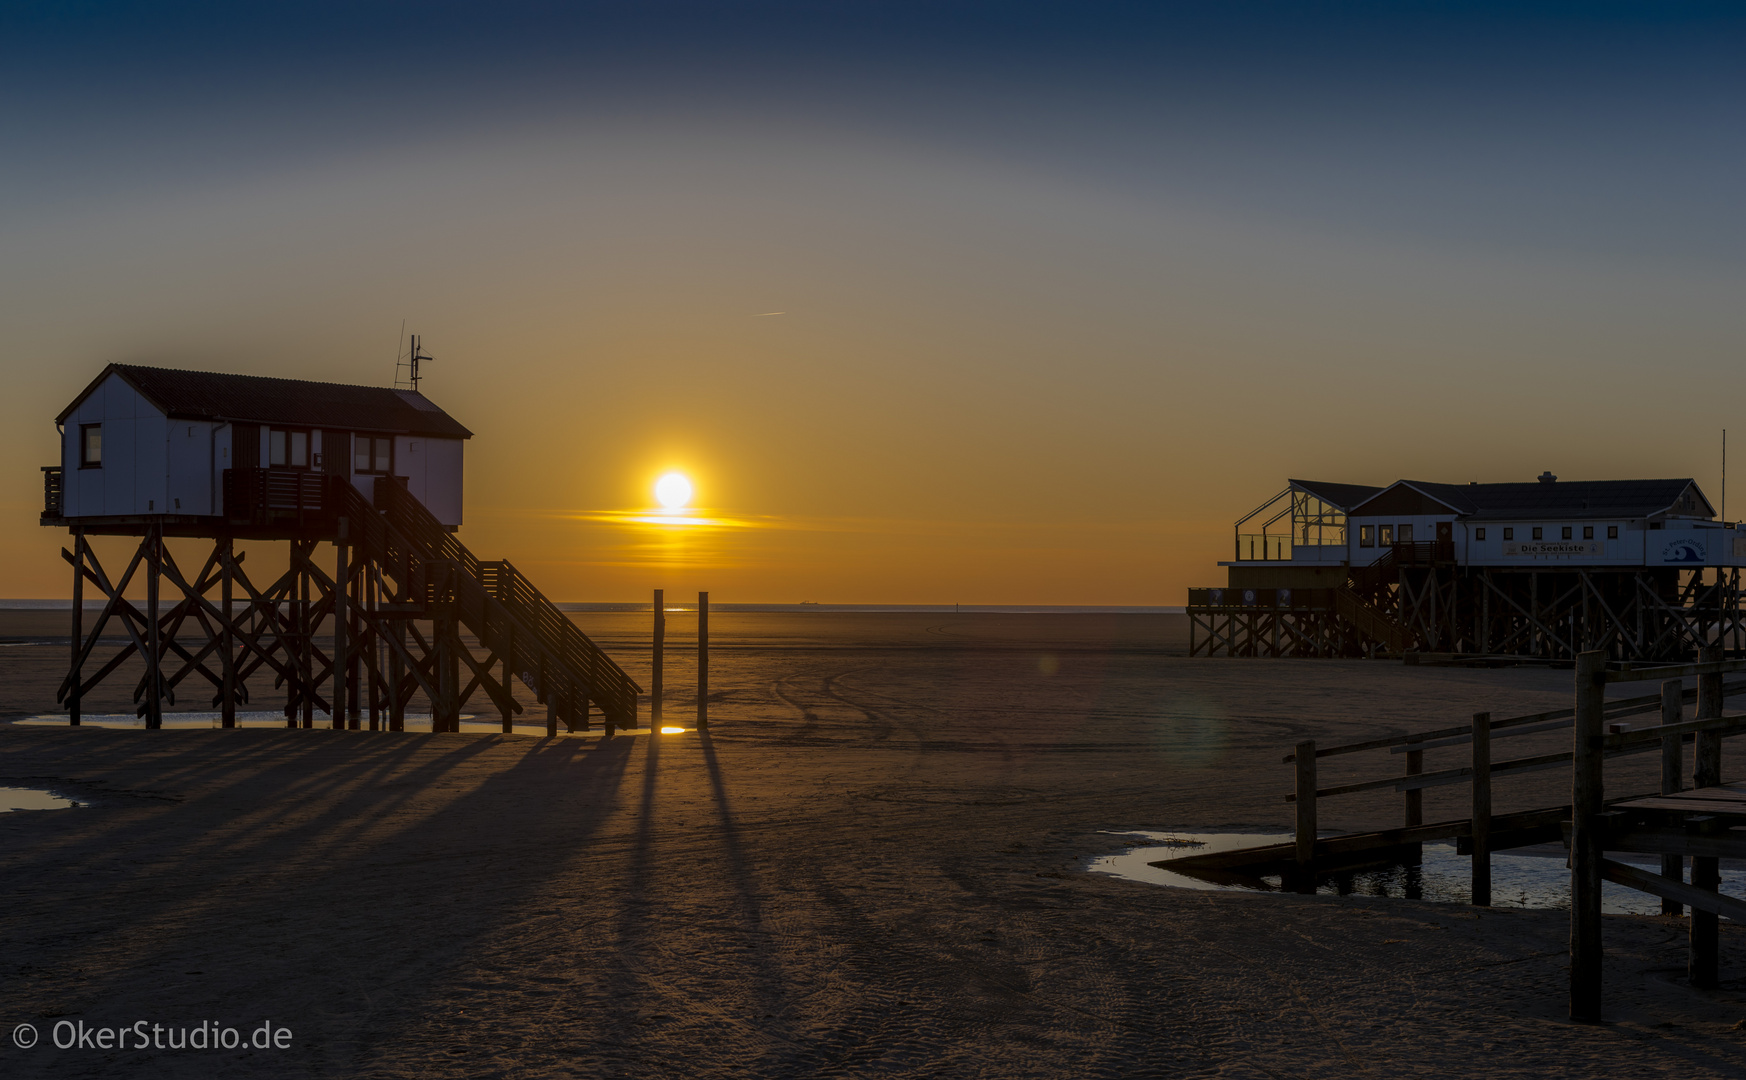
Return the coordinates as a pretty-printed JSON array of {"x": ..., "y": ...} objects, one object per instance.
[{"x": 1683, "y": 551}]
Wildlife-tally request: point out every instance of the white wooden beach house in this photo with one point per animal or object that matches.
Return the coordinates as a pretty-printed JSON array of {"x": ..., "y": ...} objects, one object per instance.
[{"x": 147, "y": 442}]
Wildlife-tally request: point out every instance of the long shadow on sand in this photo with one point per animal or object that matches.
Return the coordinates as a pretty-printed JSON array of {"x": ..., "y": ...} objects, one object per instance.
[{"x": 330, "y": 898}]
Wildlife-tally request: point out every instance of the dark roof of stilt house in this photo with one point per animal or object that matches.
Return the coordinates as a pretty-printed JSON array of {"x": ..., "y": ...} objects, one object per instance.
[
  {"x": 1344, "y": 496},
  {"x": 259, "y": 399},
  {"x": 1559, "y": 498}
]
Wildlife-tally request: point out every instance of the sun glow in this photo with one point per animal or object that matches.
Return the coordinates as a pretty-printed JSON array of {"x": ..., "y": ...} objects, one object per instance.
[{"x": 673, "y": 491}]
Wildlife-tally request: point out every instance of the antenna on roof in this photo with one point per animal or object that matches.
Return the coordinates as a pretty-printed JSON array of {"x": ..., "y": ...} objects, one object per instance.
[{"x": 409, "y": 363}]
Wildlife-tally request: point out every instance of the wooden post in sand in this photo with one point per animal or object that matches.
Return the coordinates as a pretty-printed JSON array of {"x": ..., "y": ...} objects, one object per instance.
[
  {"x": 1306, "y": 807},
  {"x": 1481, "y": 823},
  {"x": 1585, "y": 849},
  {"x": 1706, "y": 870},
  {"x": 1415, "y": 798},
  {"x": 1672, "y": 778},
  {"x": 658, "y": 661},
  {"x": 703, "y": 661}
]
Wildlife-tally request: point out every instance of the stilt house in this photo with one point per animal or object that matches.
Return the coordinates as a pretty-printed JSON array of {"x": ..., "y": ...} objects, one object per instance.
[
  {"x": 182, "y": 448},
  {"x": 1544, "y": 568},
  {"x": 401, "y": 610}
]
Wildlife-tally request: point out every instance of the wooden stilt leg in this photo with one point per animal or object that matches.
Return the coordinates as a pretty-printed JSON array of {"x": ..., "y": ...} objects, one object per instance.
[
  {"x": 508, "y": 673},
  {"x": 154, "y": 717},
  {"x": 342, "y": 661},
  {"x": 227, "y": 693},
  {"x": 78, "y": 641}
]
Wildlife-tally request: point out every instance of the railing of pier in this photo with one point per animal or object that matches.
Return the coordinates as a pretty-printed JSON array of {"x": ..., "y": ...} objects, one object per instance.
[
  {"x": 1594, "y": 741},
  {"x": 1481, "y": 734}
]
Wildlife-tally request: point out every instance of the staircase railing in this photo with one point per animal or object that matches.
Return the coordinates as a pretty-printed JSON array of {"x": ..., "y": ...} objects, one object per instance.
[
  {"x": 1370, "y": 622},
  {"x": 497, "y": 588}
]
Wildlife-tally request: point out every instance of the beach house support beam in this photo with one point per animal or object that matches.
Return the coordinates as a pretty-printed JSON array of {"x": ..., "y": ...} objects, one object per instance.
[
  {"x": 154, "y": 702},
  {"x": 342, "y": 665},
  {"x": 78, "y": 639},
  {"x": 227, "y": 647}
]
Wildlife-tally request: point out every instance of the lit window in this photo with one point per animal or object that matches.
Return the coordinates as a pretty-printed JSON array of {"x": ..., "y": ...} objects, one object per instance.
[
  {"x": 1479, "y": 533},
  {"x": 1566, "y": 535},
  {"x": 90, "y": 446},
  {"x": 1509, "y": 534},
  {"x": 1387, "y": 535},
  {"x": 1366, "y": 536},
  {"x": 1537, "y": 533},
  {"x": 1612, "y": 532},
  {"x": 1588, "y": 532}
]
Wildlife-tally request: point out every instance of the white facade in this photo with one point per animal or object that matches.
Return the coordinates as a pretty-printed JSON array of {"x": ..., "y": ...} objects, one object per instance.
[
  {"x": 154, "y": 465},
  {"x": 150, "y": 465},
  {"x": 1479, "y": 542}
]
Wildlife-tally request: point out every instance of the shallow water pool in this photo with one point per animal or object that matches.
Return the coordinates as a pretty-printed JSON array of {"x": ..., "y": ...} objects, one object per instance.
[
  {"x": 19, "y": 798},
  {"x": 1523, "y": 878}
]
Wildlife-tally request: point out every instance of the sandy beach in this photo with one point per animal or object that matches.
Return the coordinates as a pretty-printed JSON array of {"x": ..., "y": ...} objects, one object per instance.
[{"x": 873, "y": 864}]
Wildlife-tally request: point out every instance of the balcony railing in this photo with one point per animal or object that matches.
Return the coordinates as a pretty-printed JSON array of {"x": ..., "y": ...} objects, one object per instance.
[
  {"x": 262, "y": 497},
  {"x": 1259, "y": 547},
  {"x": 1287, "y": 599},
  {"x": 53, "y": 504}
]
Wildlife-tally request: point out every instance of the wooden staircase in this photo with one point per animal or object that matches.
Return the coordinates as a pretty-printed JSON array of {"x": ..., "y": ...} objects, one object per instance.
[
  {"x": 437, "y": 577},
  {"x": 1351, "y": 601}
]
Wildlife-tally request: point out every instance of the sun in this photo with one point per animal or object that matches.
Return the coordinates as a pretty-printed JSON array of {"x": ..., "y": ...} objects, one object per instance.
[{"x": 673, "y": 491}]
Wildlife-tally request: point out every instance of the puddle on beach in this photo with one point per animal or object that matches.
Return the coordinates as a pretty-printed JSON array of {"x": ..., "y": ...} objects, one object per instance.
[
  {"x": 21, "y": 798},
  {"x": 470, "y": 723},
  {"x": 1524, "y": 878}
]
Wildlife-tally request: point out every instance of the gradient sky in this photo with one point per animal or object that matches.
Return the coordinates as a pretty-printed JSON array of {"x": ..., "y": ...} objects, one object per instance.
[{"x": 1067, "y": 288}]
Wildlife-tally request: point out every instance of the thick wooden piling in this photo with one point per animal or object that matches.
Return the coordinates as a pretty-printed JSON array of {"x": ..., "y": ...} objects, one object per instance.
[
  {"x": 1705, "y": 870},
  {"x": 305, "y": 632},
  {"x": 703, "y": 661},
  {"x": 508, "y": 714},
  {"x": 657, "y": 661},
  {"x": 1586, "y": 796},
  {"x": 1672, "y": 777},
  {"x": 373, "y": 602},
  {"x": 154, "y": 715},
  {"x": 397, "y": 677},
  {"x": 1306, "y": 808},
  {"x": 227, "y": 637},
  {"x": 78, "y": 625},
  {"x": 1481, "y": 823},
  {"x": 341, "y": 612}
]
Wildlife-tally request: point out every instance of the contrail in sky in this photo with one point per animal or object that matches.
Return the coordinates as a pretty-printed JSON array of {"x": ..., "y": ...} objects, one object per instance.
[{"x": 761, "y": 314}]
